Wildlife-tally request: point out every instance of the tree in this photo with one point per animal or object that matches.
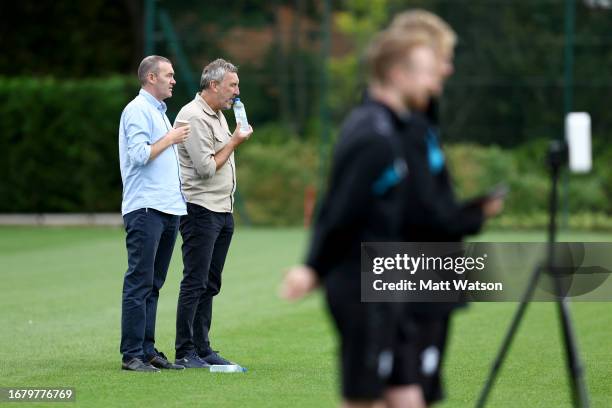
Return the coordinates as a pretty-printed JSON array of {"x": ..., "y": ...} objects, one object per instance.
[{"x": 64, "y": 38}]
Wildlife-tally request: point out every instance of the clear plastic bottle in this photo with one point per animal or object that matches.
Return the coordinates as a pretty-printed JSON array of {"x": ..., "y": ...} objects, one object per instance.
[
  {"x": 240, "y": 115},
  {"x": 230, "y": 368}
]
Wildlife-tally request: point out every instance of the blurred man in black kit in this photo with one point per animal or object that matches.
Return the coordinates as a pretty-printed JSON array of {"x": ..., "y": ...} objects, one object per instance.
[
  {"x": 364, "y": 203},
  {"x": 431, "y": 214}
]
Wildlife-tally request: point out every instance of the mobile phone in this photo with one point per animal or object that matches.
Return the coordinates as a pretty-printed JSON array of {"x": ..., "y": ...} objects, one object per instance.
[{"x": 500, "y": 190}]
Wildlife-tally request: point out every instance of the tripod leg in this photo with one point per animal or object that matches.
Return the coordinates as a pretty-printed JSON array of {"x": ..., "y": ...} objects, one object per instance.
[
  {"x": 574, "y": 366},
  {"x": 557, "y": 154},
  {"x": 501, "y": 355}
]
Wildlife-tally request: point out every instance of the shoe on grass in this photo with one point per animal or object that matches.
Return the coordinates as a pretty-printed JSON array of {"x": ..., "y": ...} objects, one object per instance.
[
  {"x": 136, "y": 364},
  {"x": 213, "y": 358},
  {"x": 191, "y": 360},
  {"x": 159, "y": 360}
]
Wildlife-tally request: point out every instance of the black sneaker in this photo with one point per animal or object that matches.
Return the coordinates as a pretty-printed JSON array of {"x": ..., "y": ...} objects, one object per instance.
[
  {"x": 213, "y": 358},
  {"x": 191, "y": 360},
  {"x": 159, "y": 360},
  {"x": 136, "y": 364}
]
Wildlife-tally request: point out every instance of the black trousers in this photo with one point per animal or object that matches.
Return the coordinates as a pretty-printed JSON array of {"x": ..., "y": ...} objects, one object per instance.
[
  {"x": 420, "y": 346},
  {"x": 150, "y": 239},
  {"x": 206, "y": 240},
  {"x": 366, "y": 332}
]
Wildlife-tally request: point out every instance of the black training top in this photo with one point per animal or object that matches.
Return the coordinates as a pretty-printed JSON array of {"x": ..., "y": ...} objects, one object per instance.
[
  {"x": 432, "y": 212},
  {"x": 364, "y": 199}
]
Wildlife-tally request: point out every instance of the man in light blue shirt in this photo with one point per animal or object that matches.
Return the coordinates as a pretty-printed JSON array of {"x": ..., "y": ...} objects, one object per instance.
[{"x": 151, "y": 206}]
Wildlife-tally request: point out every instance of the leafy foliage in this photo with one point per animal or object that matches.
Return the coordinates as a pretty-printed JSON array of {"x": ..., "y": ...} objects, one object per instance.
[{"x": 58, "y": 143}]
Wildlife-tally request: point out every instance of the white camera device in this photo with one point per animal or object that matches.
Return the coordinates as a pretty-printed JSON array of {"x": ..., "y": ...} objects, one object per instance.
[{"x": 578, "y": 139}]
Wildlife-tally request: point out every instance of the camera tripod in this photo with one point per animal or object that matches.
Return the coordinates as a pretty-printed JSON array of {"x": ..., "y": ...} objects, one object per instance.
[{"x": 557, "y": 156}]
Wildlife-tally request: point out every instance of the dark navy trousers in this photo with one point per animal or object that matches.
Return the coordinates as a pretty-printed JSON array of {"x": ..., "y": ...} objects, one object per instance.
[
  {"x": 206, "y": 239},
  {"x": 150, "y": 239}
]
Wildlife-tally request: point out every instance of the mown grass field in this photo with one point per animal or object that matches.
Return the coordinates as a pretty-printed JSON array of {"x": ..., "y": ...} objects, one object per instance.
[{"x": 60, "y": 315}]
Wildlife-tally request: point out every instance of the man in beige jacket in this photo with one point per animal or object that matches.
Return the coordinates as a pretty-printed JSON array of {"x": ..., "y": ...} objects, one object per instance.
[{"x": 208, "y": 175}]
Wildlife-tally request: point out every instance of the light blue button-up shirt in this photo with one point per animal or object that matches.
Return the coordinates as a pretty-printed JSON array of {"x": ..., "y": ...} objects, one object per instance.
[{"x": 148, "y": 183}]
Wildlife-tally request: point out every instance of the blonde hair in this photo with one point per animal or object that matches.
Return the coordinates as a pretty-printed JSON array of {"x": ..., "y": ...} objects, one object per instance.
[
  {"x": 390, "y": 47},
  {"x": 443, "y": 36}
]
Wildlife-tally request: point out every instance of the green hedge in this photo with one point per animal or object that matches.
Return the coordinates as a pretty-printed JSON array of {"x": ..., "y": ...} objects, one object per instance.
[
  {"x": 58, "y": 144},
  {"x": 477, "y": 168},
  {"x": 273, "y": 175},
  {"x": 58, "y": 153},
  {"x": 593, "y": 221}
]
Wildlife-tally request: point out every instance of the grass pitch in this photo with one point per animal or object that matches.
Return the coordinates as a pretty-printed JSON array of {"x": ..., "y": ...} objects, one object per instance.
[{"x": 60, "y": 317}]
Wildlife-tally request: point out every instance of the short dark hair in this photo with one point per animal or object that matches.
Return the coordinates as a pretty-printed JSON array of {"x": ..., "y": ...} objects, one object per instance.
[{"x": 149, "y": 65}]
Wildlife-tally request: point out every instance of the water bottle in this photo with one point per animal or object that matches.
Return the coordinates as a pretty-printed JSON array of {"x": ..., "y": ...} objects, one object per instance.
[
  {"x": 240, "y": 114},
  {"x": 229, "y": 368}
]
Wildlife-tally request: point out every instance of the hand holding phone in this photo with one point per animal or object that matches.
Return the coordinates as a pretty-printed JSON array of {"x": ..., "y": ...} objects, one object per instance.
[{"x": 500, "y": 190}]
